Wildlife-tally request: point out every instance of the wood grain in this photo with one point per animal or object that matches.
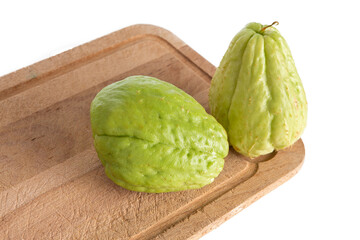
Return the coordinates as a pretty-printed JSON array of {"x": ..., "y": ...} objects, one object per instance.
[{"x": 53, "y": 186}]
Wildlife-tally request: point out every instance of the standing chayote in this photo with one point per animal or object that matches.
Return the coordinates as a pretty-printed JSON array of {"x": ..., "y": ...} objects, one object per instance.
[{"x": 256, "y": 92}]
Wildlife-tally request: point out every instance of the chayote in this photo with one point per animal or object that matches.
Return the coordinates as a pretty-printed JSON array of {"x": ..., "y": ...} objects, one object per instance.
[
  {"x": 153, "y": 137},
  {"x": 256, "y": 92}
]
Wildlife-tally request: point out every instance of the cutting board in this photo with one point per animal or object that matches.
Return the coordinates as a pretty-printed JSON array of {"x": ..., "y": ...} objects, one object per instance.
[{"x": 52, "y": 184}]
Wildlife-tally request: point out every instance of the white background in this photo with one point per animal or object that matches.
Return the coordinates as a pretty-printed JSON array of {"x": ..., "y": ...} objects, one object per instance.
[{"x": 322, "y": 200}]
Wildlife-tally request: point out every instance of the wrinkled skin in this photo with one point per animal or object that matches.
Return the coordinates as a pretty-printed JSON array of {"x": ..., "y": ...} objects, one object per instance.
[
  {"x": 153, "y": 137},
  {"x": 257, "y": 94}
]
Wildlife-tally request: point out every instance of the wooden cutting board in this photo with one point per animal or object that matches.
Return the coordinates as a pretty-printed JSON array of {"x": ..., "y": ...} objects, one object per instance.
[{"x": 52, "y": 184}]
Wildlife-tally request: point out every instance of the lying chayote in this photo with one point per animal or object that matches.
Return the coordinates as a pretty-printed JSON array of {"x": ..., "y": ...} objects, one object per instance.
[{"x": 153, "y": 137}]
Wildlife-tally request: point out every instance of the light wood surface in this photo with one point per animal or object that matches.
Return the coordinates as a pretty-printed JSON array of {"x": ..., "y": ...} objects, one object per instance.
[{"x": 52, "y": 184}]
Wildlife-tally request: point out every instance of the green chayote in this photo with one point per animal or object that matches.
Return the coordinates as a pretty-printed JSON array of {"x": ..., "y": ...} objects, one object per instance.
[
  {"x": 256, "y": 92},
  {"x": 153, "y": 137}
]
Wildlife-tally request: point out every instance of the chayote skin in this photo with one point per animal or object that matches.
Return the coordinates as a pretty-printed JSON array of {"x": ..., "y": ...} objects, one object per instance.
[
  {"x": 257, "y": 94},
  {"x": 153, "y": 137}
]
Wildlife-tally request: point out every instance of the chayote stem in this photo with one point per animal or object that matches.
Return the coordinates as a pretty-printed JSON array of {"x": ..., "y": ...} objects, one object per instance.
[{"x": 274, "y": 23}]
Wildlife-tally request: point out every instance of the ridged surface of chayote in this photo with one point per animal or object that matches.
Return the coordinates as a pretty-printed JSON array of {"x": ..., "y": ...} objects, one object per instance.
[
  {"x": 257, "y": 94},
  {"x": 153, "y": 137}
]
